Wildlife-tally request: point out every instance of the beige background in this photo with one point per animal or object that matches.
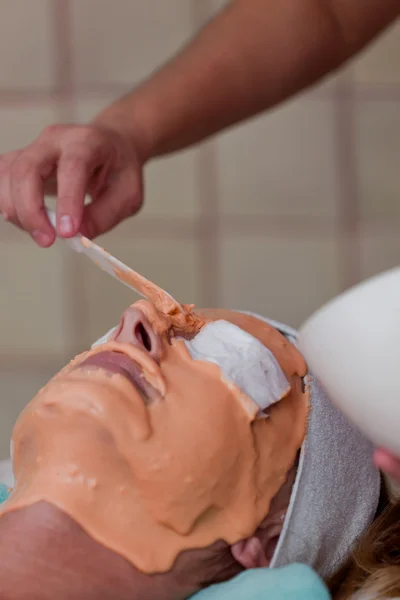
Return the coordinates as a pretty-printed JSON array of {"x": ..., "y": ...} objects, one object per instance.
[{"x": 276, "y": 216}]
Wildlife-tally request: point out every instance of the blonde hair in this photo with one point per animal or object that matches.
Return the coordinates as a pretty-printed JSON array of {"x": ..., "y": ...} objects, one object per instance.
[{"x": 373, "y": 570}]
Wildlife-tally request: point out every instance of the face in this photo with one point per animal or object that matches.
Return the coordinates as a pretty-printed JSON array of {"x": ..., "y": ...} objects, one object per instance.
[{"x": 168, "y": 443}]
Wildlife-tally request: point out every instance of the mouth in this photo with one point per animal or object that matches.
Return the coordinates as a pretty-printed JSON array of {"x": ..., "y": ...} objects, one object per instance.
[{"x": 121, "y": 364}]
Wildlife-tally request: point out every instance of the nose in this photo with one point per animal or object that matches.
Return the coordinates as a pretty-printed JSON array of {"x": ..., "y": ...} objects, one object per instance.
[{"x": 136, "y": 329}]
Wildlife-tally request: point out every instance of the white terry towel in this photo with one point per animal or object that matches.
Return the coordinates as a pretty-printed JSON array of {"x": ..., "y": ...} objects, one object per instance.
[{"x": 336, "y": 492}]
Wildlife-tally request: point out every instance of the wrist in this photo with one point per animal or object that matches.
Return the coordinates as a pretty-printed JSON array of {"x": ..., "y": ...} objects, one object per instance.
[{"x": 127, "y": 119}]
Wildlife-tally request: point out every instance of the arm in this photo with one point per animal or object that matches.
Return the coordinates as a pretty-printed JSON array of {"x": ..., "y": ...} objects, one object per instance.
[{"x": 252, "y": 56}]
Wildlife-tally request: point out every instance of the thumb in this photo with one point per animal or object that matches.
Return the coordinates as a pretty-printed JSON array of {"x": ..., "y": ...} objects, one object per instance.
[{"x": 122, "y": 198}]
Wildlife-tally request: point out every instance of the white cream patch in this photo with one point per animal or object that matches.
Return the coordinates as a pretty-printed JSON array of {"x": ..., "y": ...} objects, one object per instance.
[{"x": 242, "y": 359}]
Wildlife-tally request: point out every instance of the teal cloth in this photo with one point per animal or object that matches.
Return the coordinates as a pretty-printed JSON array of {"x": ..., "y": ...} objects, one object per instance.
[
  {"x": 294, "y": 582},
  {"x": 4, "y": 493}
]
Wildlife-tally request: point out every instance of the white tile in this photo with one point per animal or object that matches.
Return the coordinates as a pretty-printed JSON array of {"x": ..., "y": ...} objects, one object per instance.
[
  {"x": 379, "y": 63},
  {"x": 171, "y": 186},
  {"x": 9, "y": 231},
  {"x": 380, "y": 251},
  {"x": 378, "y": 152},
  {"x": 33, "y": 299},
  {"x": 19, "y": 126},
  {"x": 281, "y": 278},
  {"x": 26, "y": 45},
  {"x": 122, "y": 41},
  {"x": 283, "y": 163}
]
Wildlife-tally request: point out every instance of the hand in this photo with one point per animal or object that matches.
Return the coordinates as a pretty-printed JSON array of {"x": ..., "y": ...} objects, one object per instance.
[
  {"x": 388, "y": 463},
  {"x": 80, "y": 160}
]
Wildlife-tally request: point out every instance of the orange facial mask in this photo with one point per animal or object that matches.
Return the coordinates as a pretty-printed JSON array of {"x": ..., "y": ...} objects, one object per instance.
[{"x": 169, "y": 458}]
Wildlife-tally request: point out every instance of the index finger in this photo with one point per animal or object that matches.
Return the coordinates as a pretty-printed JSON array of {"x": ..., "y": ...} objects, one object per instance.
[
  {"x": 75, "y": 171},
  {"x": 73, "y": 179},
  {"x": 27, "y": 174}
]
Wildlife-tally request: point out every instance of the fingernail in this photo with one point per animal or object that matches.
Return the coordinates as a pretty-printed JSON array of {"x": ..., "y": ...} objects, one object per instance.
[
  {"x": 66, "y": 226},
  {"x": 43, "y": 239}
]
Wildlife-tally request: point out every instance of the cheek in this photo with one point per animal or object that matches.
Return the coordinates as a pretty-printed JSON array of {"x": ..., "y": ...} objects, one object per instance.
[{"x": 200, "y": 451}]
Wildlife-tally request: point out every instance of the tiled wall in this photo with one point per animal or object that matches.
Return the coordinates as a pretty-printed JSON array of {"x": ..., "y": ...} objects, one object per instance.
[{"x": 276, "y": 216}]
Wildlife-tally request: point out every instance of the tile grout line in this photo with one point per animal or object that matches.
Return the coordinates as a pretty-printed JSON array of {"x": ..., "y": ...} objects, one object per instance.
[
  {"x": 63, "y": 65},
  {"x": 76, "y": 309},
  {"x": 209, "y": 227},
  {"x": 209, "y": 220},
  {"x": 348, "y": 208}
]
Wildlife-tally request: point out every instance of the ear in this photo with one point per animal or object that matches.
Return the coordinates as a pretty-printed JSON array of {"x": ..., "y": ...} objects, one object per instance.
[
  {"x": 250, "y": 553},
  {"x": 257, "y": 551}
]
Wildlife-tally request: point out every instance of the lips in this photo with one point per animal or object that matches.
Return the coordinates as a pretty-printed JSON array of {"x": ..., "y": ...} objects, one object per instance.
[{"x": 116, "y": 362}]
